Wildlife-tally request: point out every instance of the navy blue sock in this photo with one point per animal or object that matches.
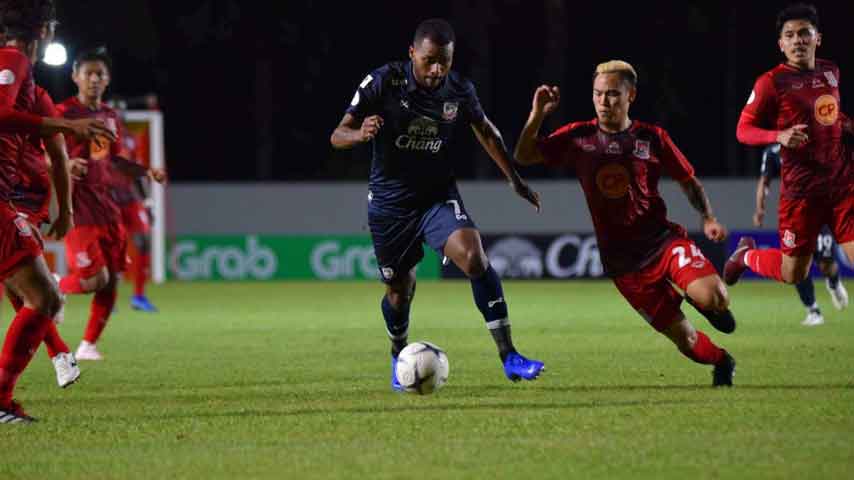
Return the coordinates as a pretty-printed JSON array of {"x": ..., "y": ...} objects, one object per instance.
[
  {"x": 396, "y": 324},
  {"x": 806, "y": 290},
  {"x": 489, "y": 298},
  {"x": 833, "y": 280}
]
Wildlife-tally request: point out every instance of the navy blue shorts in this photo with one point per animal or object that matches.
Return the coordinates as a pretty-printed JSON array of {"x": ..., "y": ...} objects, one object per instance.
[
  {"x": 398, "y": 239},
  {"x": 826, "y": 247}
]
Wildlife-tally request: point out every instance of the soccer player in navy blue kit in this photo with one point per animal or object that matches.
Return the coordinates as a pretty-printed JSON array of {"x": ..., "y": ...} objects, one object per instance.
[
  {"x": 825, "y": 246},
  {"x": 409, "y": 112}
]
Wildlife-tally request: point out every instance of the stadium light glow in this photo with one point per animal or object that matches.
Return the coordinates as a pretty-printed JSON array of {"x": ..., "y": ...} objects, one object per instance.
[{"x": 55, "y": 54}]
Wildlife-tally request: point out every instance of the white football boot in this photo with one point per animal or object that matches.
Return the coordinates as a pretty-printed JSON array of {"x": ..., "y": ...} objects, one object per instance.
[
  {"x": 813, "y": 319},
  {"x": 838, "y": 295},
  {"x": 88, "y": 351},
  {"x": 67, "y": 371}
]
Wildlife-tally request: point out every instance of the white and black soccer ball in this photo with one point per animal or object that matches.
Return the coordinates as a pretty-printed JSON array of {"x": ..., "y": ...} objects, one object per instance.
[{"x": 422, "y": 368}]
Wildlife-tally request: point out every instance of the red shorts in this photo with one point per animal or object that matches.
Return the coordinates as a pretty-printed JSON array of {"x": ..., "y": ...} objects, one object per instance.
[
  {"x": 135, "y": 218},
  {"x": 90, "y": 248},
  {"x": 650, "y": 292},
  {"x": 801, "y": 220},
  {"x": 19, "y": 240}
]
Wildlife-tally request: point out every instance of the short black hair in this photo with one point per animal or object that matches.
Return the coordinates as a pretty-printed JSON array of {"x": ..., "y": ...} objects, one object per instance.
[
  {"x": 438, "y": 30},
  {"x": 98, "y": 54},
  {"x": 23, "y": 19},
  {"x": 797, "y": 11}
]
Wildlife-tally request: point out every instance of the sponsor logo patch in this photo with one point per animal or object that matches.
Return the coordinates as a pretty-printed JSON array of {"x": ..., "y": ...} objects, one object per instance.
[
  {"x": 614, "y": 148},
  {"x": 387, "y": 272},
  {"x": 613, "y": 180}
]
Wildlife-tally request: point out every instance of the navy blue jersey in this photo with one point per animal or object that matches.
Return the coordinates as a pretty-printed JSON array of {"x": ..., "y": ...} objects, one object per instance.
[
  {"x": 771, "y": 161},
  {"x": 412, "y": 165}
]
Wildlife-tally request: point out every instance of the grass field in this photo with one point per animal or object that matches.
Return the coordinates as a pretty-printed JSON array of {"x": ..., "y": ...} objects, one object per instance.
[{"x": 290, "y": 380}]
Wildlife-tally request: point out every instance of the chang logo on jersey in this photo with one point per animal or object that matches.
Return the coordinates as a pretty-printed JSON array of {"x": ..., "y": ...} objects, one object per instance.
[
  {"x": 613, "y": 180},
  {"x": 422, "y": 135},
  {"x": 826, "y": 110}
]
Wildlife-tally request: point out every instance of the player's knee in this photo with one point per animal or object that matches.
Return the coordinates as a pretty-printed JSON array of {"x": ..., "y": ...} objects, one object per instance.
[
  {"x": 794, "y": 275},
  {"x": 474, "y": 263}
]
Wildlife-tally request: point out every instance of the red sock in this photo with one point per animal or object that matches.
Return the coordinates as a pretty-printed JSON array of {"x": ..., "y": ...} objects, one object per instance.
[
  {"x": 705, "y": 351},
  {"x": 767, "y": 262},
  {"x": 22, "y": 340},
  {"x": 53, "y": 342},
  {"x": 99, "y": 314},
  {"x": 71, "y": 284},
  {"x": 140, "y": 273}
]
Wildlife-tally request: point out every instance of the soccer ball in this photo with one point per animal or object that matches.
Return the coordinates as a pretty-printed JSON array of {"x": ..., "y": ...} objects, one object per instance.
[{"x": 422, "y": 368}]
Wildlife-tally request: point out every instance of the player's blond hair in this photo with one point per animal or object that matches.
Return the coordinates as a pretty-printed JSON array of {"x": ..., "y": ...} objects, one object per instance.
[{"x": 624, "y": 69}]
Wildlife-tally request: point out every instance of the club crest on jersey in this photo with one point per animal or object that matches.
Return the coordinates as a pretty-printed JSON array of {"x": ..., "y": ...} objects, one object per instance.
[
  {"x": 642, "y": 149},
  {"x": 82, "y": 260},
  {"x": 613, "y": 180},
  {"x": 826, "y": 110},
  {"x": 831, "y": 79},
  {"x": 449, "y": 111},
  {"x": 614, "y": 148},
  {"x": 789, "y": 239},
  {"x": 23, "y": 227}
]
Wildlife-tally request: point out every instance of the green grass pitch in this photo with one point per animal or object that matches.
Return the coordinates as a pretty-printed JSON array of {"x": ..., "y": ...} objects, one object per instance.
[{"x": 291, "y": 380}]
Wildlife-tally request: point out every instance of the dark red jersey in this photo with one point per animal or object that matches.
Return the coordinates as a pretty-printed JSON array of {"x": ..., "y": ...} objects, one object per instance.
[
  {"x": 17, "y": 94},
  {"x": 124, "y": 188},
  {"x": 619, "y": 173},
  {"x": 32, "y": 194},
  {"x": 93, "y": 202},
  {"x": 786, "y": 96}
]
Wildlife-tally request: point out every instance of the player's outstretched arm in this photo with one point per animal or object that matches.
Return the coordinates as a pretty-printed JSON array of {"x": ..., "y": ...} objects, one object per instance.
[
  {"x": 350, "y": 132},
  {"x": 82, "y": 128},
  {"x": 58, "y": 154},
  {"x": 490, "y": 138},
  {"x": 546, "y": 99},
  {"x": 693, "y": 189}
]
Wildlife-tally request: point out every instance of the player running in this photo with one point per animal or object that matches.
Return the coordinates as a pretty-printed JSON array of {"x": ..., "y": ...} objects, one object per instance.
[
  {"x": 95, "y": 247},
  {"x": 28, "y": 26},
  {"x": 618, "y": 162},
  {"x": 796, "y": 104},
  {"x": 410, "y": 113},
  {"x": 825, "y": 246}
]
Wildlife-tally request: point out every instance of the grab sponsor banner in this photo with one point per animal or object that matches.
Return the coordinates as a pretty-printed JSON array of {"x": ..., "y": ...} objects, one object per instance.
[
  {"x": 556, "y": 256},
  {"x": 771, "y": 239},
  {"x": 272, "y": 257}
]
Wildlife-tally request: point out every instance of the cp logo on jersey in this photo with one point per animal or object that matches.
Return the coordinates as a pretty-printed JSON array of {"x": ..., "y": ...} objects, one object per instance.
[
  {"x": 826, "y": 110},
  {"x": 613, "y": 180}
]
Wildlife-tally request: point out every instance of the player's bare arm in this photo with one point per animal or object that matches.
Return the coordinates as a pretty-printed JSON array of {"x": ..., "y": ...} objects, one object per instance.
[
  {"x": 489, "y": 136},
  {"x": 546, "y": 100},
  {"x": 350, "y": 132},
  {"x": 763, "y": 187},
  {"x": 693, "y": 190},
  {"x": 60, "y": 176},
  {"x": 82, "y": 128}
]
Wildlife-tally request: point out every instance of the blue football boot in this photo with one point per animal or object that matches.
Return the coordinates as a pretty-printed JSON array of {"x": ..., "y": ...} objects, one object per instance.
[
  {"x": 141, "y": 302},
  {"x": 517, "y": 367},
  {"x": 395, "y": 384}
]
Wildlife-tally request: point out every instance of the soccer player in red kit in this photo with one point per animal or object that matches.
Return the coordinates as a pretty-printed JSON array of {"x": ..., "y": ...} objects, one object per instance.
[
  {"x": 619, "y": 162},
  {"x": 95, "y": 247},
  {"x": 31, "y": 197},
  {"x": 128, "y": 193},
  {"x": 796, "y": 104},
  {"x": 28, "y": 25}
]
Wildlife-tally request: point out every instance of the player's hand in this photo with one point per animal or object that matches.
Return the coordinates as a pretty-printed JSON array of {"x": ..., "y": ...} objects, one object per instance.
[
  {"x": 546, "y": 99},
  {"x": 525, "y": 191},
  {"x": 157, "y": 174},
  {"x": 77, "y": 167},
  {"x": 714, "y": 230},
  {"x": 793, "y": 137},
  {"x": 758, "y": 217},
  {"x": 60, "y": 227},
  {"x": 370, "y": 127},
  {"x": 91, "y": 129}
]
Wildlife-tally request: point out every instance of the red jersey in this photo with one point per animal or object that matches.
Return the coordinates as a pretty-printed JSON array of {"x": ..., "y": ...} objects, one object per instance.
[
  {"x": 124, "y": 187},
  {"x": 93, "y": 204},
  {"x": 786, "y": 96},
  {"x": 619, "y": 173},
  {"x": 17, "y": 94},
  {"x": 32, "y": 194}
]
